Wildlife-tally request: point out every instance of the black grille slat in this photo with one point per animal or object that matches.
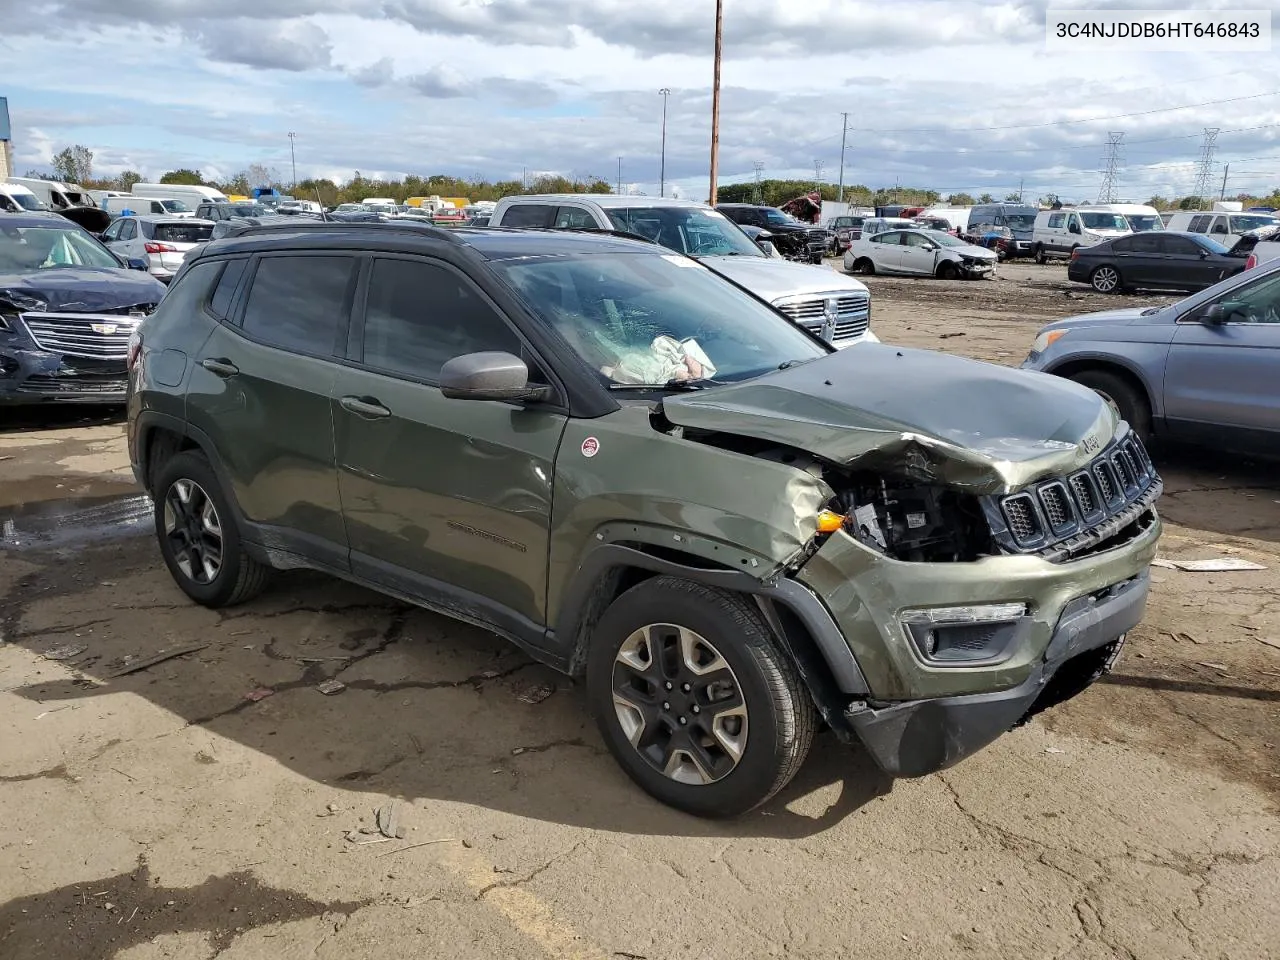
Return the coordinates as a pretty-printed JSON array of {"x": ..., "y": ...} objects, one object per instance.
[
  {"x": 1086, "y": 495},
  {"x": 1057, "y": 506},
  {"x": 1021, "y": 514},
  {"x": 1107, "y": 482}
]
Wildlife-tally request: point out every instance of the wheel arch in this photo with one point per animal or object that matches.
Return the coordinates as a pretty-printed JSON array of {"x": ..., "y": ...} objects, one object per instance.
[
  {"x": 799, "y": 621},
  {"x": 1069, "y": 367}
]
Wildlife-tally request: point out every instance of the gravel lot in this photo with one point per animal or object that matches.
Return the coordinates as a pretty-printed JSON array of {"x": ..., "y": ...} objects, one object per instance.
[{"x": 169, "y": 812}]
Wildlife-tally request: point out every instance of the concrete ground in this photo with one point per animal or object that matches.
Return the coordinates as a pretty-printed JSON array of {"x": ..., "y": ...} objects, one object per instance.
[{"x": 200, "y": 807}]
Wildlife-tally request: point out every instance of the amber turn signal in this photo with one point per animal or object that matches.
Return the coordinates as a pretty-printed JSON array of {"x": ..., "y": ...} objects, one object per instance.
[{"x": 829, "y": 522}]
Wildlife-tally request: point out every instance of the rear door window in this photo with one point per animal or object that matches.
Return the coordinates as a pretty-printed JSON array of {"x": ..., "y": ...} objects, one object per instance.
[
  {"x": 527, "y": 215},
  {"x": 1199, "y": 224},
  {"x": 1143, "y": 243},
  {"x": 301, "y": 304},
  {"x": 1176, "y": 246},
  {"x": 128, "y": 229}
]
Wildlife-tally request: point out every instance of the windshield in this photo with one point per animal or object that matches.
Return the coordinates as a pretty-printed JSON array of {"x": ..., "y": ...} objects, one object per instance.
[
  {"x": 944, "y": 239},
  {"x": 1239, "y": 224},
  {"x": 174, "y": 206},
  {"x": 39, "y": 248},
  {"x": 27, "y": 201},
  {"x": 1141, "y": 223},
  {"x": 691, "y": 230},
  {"x": 1020, "y": 221},
  {"x": 651, "y": 320},
  {"x": 1105, "y": 221},
  {"x": 777, "y": 216}
]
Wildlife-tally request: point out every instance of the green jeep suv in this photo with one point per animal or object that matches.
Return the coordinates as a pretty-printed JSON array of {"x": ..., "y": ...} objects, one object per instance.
[{"x": 644, "y": 476}]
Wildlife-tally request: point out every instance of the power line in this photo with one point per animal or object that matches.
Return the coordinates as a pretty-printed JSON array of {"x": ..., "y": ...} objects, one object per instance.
[
  {"x": 1204, "y": 175},
  {"x": 1113, "y": 159}
]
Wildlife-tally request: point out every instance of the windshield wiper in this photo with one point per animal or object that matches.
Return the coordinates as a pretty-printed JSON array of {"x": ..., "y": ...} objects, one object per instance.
[
  {"x": 699, "y": 383},
  {"x": 788, "y": 364}
]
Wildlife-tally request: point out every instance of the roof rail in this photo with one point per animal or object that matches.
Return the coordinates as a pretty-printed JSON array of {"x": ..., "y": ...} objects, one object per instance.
[{"x": 247, "y": 227}]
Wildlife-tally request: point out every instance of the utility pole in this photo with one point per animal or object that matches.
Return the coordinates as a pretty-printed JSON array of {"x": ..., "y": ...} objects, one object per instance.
[
  {"x": 662, "y": 166},
  {"x": 757, "y": 194},
  {"x": 715, "y": 105},
  {"x": 292, "y": 159},
  {"x": 817, "y": 175},
  {"x": 1222, "y": 195},
  {"x": 1021, "y": 181},
  {"x": 1207, "y": 149},
  {"x": 843, "y": 136},
  {"x": 619, "y": 176}
]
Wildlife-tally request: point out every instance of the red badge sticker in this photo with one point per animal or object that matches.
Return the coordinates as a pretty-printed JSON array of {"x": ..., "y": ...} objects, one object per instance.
[{"x": 590, "y": 447}]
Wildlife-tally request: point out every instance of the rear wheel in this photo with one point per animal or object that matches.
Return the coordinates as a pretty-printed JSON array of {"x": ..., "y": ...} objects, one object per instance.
[
  {"x": 694, "y": 699},
  {"x": 1121, "y": 395},
  {"x": 198, "y": 536},
  {"x": 1106, "y": 279}
]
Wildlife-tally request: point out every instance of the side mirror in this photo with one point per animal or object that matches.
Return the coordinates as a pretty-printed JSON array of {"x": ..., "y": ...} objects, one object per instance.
[
  {"x": 1204, "y": 254},
  {"x": 1214, "y": 315},
  {"x": 137, "y": 263},
  {"x": 490, "y": 375}
]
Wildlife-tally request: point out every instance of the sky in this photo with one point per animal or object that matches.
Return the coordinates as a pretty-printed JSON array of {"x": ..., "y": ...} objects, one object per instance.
[{"x": 954, "y": 95}]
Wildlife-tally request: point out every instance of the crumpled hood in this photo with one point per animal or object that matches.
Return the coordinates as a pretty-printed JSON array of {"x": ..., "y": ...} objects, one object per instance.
[
  {"x": 927, "y": 416},
  {"x": 80, "y": 289},
  {"x": 770, "y": 278}
]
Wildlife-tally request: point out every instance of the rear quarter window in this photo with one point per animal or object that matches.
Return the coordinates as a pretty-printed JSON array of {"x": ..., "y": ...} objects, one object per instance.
[
  {"x": 225, "y": 291},
  {"x": 185, "y": 295},
  {"x": 527, "y": 215}
]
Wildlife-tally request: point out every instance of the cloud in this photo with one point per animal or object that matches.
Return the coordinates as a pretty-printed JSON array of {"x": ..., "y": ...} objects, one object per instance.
[{"x": 294, "y": 45}]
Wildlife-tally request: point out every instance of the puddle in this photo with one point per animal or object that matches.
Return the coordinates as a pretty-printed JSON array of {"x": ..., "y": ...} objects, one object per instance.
[{"x": 57, "y": 524}]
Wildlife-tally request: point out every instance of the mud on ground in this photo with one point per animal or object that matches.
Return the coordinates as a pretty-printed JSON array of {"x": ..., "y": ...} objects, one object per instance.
[{"x": 200, "y": 807}]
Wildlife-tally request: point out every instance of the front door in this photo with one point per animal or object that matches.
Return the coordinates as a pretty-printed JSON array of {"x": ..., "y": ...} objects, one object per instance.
[
  {"x": 1220, "y": 381},
  {"x": 448, "y": 501},
  {"x": 260, "y": 389},
  {"x": 917, "y": 254}
]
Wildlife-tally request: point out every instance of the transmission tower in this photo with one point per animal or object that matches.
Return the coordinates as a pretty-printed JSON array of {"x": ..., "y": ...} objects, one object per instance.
[
  {"x": 757, "y": 192},
  {"x": 1111, "y": 170},
  {"x": 817, "y": 172},
  {"x": 1204, "y": 173}
]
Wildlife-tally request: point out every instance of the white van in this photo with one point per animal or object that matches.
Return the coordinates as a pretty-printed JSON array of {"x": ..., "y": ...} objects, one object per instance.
[
  {"x": 15, "y": 198},
  {"x": 1058, "y": 232},
  {"x": 164, "y": 206},
  {"x": 56, "y": 195},
  {"x": 958, "y": 217},
  {"x": 1140, "y": 216},
  {"x": 1224, "y": 227},
  {"x": 191, "y": 195}
]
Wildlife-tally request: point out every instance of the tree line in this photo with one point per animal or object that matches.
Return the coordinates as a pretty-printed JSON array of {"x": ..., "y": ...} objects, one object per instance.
[{"x": 75, "y": 164}]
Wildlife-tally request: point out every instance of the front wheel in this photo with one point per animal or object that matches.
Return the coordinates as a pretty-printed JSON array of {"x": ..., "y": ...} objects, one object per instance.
[
  {"x": 1041, "y": 257},
  {"x": 1105, "y": 279},
  {"x": 695, "y": 700},
  {"x": 864, "y": 265},
  {"x": 947, "y": 271}
]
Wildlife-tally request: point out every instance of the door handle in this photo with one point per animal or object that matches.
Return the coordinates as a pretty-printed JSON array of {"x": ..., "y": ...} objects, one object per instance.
[
  {"x": 220, "y": 366},
  {"x": 370, "y": 408}
]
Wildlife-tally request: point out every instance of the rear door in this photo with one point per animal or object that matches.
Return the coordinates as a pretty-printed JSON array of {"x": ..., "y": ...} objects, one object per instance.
[
  {"x": 261, "y": 391},
  {"x": 885, "y": 250},
  {"x": 1220, "y": 380},
  {"x": 444, "y": 500},
  {"x": 1183, "y": 265},
  {"x": 1139, "y": 260}
]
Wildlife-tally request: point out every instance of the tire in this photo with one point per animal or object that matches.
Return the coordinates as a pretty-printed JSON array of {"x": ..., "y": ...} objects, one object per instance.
[
  {"x": 638, "y": 698},
  {"x": 1129, "y": 401},
  {"x": 1106, "y": 279},
  {"x": 216, "y": 572},
  {"x": 947, "y": 271},
  {"x": 864, "y": 265},
  {"x": 1041, "y": 257}
]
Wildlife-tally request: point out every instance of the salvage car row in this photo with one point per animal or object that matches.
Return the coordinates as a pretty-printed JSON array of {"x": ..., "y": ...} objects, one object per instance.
[{"x": 691, "y": 497}]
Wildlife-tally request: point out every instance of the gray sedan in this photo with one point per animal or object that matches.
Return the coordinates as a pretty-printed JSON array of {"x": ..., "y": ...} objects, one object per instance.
[{"x": 1205, "y": 370}]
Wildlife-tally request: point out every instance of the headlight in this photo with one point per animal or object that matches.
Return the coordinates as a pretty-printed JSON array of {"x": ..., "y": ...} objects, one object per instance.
[{"x": 1047, "y": 339}]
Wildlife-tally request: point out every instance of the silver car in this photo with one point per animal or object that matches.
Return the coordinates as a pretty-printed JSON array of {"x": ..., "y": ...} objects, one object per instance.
[
  {"x": 163, "y": 241},
  {"x": 1204, "y": 370}
]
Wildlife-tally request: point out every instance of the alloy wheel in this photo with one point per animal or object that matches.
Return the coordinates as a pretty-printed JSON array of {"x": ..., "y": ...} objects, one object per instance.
[
  {"x": 193, "y": 531},
  {"x": 679, "y": 704},
  {"x": 1105, "y": 279}
]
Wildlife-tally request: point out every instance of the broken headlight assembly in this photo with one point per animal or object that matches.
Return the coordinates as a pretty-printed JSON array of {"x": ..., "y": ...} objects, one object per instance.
[
  {"x": 912, "y": 522},
  {"x": 966, "y": 635}
]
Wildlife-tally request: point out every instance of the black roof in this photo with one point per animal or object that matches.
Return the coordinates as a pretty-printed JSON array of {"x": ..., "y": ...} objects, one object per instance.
[
  {"x": 36, "y": 220},
  {"x": 492, "y": 243}
]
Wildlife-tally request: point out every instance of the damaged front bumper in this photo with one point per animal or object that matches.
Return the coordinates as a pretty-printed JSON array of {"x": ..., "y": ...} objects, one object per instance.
[
  {"x": 923, "y": 711},
  {"x": 38, "y": 376}
]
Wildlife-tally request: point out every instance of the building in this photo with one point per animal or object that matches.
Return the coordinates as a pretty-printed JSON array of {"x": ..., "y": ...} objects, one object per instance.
[{"x": 6, "y": 142}]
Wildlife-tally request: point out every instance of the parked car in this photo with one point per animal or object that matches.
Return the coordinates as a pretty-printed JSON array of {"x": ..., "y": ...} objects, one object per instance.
[
  {"x": 1225, "y": 227},
  {"x": 926, "y": 253},
  {"x": 873, "y": 225},
  {"x": 761, "y": 238},
  {"x": 1258, "y": 246},
  {"x": 162, "y": 241},
  {"x": 1020, "y": 218},
  {"x": 67, "y": 309},
  {"x": 845, "y": 229},
  {"x": 988, "y": 235},
  {"x": 1201, "y": 370},
  {"x": 794, "y": 239},
  {"x": 1058, "y": 232},
  {"x": 299, "y": 206},
  {"x": 217, "y": 211},
  {"x": 1155, "y": 260},
  {"x": 834, "y": 307},
  {"x": 478, "y": 221},
  {"x": 714, "y": 519},
  {"x": 191, "y": 194}
]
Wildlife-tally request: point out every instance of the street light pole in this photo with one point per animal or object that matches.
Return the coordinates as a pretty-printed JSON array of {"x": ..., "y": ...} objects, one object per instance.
[
  {"x": 662, "y": 167},
  {"x": 293, "y": 159},
  {"x": 619, "y": 176},
  {"x": 715, "y": 104},
  {"x": 843, "y": 137}
]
